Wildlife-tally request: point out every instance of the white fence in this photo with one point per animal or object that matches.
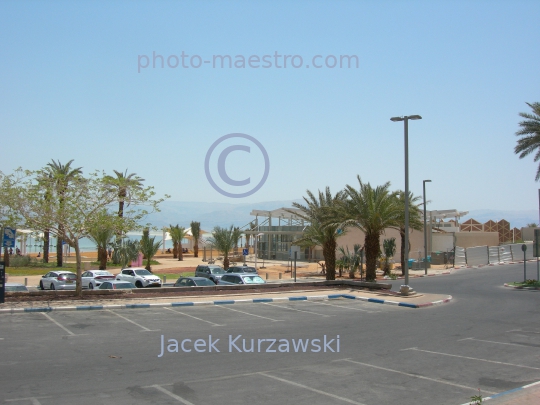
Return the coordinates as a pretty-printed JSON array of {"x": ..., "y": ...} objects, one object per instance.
[{"x": 479, "y": 255}]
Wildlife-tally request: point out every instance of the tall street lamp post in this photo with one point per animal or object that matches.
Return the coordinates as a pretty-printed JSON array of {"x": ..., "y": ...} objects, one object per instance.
[
  {"x": 405, "y": 120},
  {"x": 425, "y": 227}
]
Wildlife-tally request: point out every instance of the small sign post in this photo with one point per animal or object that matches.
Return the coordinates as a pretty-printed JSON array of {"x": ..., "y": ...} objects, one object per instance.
[
  {"x": 2, "y": 281},
  {"x": 536, "y": 251},
  {"x": 245, "y": 253},
  {"x": 524, "y": 248}
]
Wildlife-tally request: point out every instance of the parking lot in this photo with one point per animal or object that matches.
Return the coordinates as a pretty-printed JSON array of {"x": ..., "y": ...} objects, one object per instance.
[{"x": 386, "y": 355}]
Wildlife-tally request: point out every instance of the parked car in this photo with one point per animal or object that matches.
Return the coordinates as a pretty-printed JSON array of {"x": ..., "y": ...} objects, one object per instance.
[
  {"x": 93, "y": 278},
  {"x": 15, "y": 287},
  {"x": 116, "y": 285},
  {"x": 139, "y": 276},
  {"x": 241, "y": 269},
  {"x": 241, "y": 278},
  {"x": 210, "y": 271},
  {"x": 58, "y": 280},
  {"x": 194, "y": 282}
]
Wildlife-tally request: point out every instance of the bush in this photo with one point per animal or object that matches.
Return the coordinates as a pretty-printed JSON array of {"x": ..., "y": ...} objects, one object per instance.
[{"x": 22, "y": 261}]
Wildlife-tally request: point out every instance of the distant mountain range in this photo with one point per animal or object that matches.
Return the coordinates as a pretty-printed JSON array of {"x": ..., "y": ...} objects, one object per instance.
[
  {"x": 226, "y": 214},
  {"x": 211, "y": 214}
]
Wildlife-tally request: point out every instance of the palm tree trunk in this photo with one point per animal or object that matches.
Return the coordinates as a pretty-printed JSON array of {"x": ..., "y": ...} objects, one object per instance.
[
  {"x": 59, "y": 250},
  {"x": 226, "y": 262},
  {"x": 102, "y": 258},
  {"x": 180, "y": 253},
  {"x": 329, "y": 253},
  {"x": 6, "y": 257},
  {"x": 372, "y": 251},
  {"x": 46, "y": 238},
  {"x": 196, "y": 249},
  {"x": 175, "y": 250},
  {"x": 78, "y": 288}
]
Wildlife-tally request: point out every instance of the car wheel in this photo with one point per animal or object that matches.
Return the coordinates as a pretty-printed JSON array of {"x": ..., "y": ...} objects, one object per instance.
[
  {"x": 52, "y": 286},
  {"x": 138, "y": 284},
  {"x": 91, "y": 286},
  {"x": 41, "y": 287}
]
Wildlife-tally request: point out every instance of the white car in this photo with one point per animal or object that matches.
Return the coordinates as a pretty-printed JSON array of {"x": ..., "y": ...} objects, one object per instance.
[
  {"x": 93, "y": 278},
  {"x": 58, "y": 280},
  {"x": 139, "y": 276}
]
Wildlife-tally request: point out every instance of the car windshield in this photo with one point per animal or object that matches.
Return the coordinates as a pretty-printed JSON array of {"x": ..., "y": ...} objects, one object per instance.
[
  {"x": 253, "y": 280},
  {"x": 249, "y": 270},
  {"x": 204, "y": 282},
  {"x": 217, "y": 271},
  {"x": 143, "y": 273},
  {"x": 16, "y": 288}
]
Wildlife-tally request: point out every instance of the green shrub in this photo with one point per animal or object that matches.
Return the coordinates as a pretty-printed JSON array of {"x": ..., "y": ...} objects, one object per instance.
[{"x": 21, "y": 261}]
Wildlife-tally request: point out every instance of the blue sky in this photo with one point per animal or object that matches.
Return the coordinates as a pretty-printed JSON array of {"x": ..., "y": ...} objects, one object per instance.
[{"x": 70, "y": 89}]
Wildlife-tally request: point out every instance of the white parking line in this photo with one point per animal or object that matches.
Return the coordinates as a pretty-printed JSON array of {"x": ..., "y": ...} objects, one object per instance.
[
  {"x": 416, "y": 376},
  {"x": 471, "y": 358},
  {"x": 169, "y": 393},
  {"x": 521, "y": 330},
  {"x": 58, "y": 324},
  {"x": 247, "y": 313},
  {"x": 294, "y": 309},
  {"x": 133, "y": 322},
  {"x": 346, "y": 307},
  {"x": 191, "y": 316},
  {"x": 491, "y": 341},
  {"x": 350, "y": 401},
  {"x": 34, "y": 400}
]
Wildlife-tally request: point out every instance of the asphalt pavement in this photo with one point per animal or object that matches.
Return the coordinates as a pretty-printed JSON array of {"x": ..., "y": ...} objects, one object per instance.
[{"x": 486, "y": 338}]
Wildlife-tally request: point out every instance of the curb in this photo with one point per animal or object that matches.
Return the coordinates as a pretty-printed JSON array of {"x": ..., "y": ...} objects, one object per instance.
[
  {"x": 219, "y": 302},
  {"x": 521, "y": 287},
  {"x": 500, "y": 394},
  {"x": 399, "y": 304}
]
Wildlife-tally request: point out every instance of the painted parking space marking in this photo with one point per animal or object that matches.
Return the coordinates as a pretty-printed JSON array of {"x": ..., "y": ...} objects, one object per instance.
[
  {"x": 346, "y": 307},
  {"x": 415, "y": 375},
  {"x": 172, "y": 395},
  {"x": 194, "y": 317},
  {"x": 294, "y": 309},
  {"x": 34, "y": 400},
  {"x": 523, "y": 331},
  {"x": 144, "y": 329},
  {"x": 470, "y": 358},
  {"x": 247, "y": 313},
  {"x": 70, "y": 333},
  {"x": 350, "y": 401},
  {"x": 491, "y": 341}
]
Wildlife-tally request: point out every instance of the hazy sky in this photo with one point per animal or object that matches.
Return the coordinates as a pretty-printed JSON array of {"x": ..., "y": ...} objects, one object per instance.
[{"x": 73, "y": 85}]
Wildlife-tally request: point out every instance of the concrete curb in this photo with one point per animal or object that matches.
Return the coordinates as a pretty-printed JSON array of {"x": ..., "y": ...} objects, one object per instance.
[
  {"x": 399, "y": 304},
  {"x": 521, "y": 287},
  {"x": 509, "y": 392},
  {"x": 218, "y": 302}
]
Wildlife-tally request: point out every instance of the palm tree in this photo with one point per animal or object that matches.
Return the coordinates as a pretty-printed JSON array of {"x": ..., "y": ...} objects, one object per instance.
[
  {"x": 530, "y": 132},
  {"x": 196, "y": 233},
  {"x": 224, "y": 240},
  {"x": 320, "y": 213},
  {"x": 177, "y": 234},
  {"x": 371, "y": 210},
  {"x": 61, "y": 175},
  {"x": 102, "y": 237},
  {"x": 415, "y": 222},
  {"x": 125, "y": 184},
  {"x": 125, "y": 252},
  {"x": 149, "y": 248}
]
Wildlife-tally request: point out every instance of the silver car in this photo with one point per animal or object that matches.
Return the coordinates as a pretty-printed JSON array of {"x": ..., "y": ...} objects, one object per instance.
[
  {"x": 58, "y": 280},
  {"x": 93, "y": 278}
]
